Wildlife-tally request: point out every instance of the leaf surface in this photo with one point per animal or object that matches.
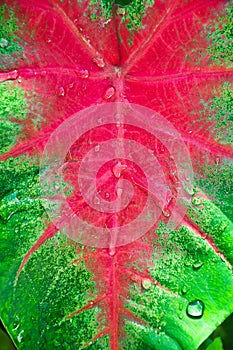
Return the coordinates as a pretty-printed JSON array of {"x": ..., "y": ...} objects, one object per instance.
[{"x": 172, "y": 287}]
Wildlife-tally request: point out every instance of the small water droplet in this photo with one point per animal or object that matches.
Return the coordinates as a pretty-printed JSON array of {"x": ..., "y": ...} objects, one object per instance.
[
  {"x": 146, "y": 283},
  {"x": 109, "y": 93},
  {"x": 184, "y": 289},
  {"x": 90, "y": 302},
  {"x": 196, "y": 200},
  {"x": 71, "y": 85},
  {"x": 197, "y": 264},
  {"x": 118, "y": 169},
  {"x": 48, "y": 40},
  {"x": 112, "y": 251},
  {"x": 97, "y": 148},
  {"x": 83, "y": 73},
  {"x": 96, "y": 200},
  {"x": 60, "y": 91},
  {"x": 107, "y": 195},
  {"x": 99, "y": 61},
  {"x": 180, "y": 316},
  {"x": 3, "y": 43},
  {"x": 166, "y": 212},
  {"x": 195, "y": 309},
  {"x": 19, "y": 79}
]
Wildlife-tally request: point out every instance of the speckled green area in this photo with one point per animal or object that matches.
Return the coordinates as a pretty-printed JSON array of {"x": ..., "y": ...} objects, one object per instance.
[
  {"x": 221, "y": 38},
  {"x": 131, "y": 12},
  {"x": 216, "y": 182},
  {"x": 9, "y": 41},
  {"x": 189, "y": 268},
  {"x": 214, "y": 223},
  {"x": 50, "y": 287},
  {"x": 13, "y": 110},
  {"x": 220, "y": 111}
]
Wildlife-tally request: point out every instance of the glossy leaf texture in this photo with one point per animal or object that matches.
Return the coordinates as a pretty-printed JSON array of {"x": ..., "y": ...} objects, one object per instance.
[{"x": 170, "y": 288}]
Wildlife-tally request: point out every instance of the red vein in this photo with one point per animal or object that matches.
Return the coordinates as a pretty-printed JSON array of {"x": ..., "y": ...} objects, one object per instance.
[
  {"x": 182, "y": 75},
  {"x": 88, "y": 306},
  {"x": 76, "y": 33},
  {"x": 192, "y": 8},
  {"x": 148, "y": 42},
  {"x": 24, "y": 147},
  {"x": 48, "y": 233},
  {"x": 196, "y": 229}
]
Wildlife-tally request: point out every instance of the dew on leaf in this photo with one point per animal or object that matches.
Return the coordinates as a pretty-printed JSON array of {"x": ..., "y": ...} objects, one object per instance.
[
  {"x": 197, "y": 264},
  {"x": 166, "y": 212},
  {"x": 19, "y": 79},
  {"x": 60, "y": 91},
  {"x": 112, "y": 251},
  {"x": 184, "y": 289},
  {"x": 99, "y": 61},
  {"x": 146, "y": 283},
  {"x": 97, "y": 148},
  {"x": 3, "y": 43},
  {"x": 83, "y": 73},
  {"x": 109, "y": 93},
  {"x": 195, "y": 309},
  {"x": 118, "y": 169}
]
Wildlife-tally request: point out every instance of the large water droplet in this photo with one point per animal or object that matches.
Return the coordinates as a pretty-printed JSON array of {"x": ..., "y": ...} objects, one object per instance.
[
  {"x": 166, "y": 212},
  {"x": 197, "y": 264},
  {"x": 99, "y": 61},
  {"x": 83, "y": 73},
  {"x": 109, "y": 93},
  {"x": 60, "y": 91},
  {"x": 184, "y": 289},
  {"x": 146, "y": 283},
  {"x": 118, "y": 169},
  {"x": 112, "y": 251},
  {"x": 195, "y": 309},
  {"x": 3, "y": 43}
]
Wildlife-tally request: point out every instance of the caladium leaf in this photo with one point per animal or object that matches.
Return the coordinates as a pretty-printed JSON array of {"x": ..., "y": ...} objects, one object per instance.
[{"x": 172, "y": 286}]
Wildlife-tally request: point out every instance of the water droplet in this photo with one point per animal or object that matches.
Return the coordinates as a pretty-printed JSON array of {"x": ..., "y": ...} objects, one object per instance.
[
  {"x": 112, "y": 251},
  {"x": 90, "y": 302},
  {"x": 83, "y": 73},
  {"x": 166, "y": 212},
  {"x": 97, "y": 148},
  {"x": 60, "y": 91},
  {"x": 195, "y": 309},
  {"x": 19, "y": 79},
  {"x": 3, "y": 43},
  {"x": 48, "y": 40},
  {"x": 96, "y": 200},
  {"x": 71, "y": 85},
  {"x": 180, "y": 316},
  {"x": 107, "y": 195},
  {"x": 118, "y": 169},
  {"x": 184, "y": 289},
  {"x": 109, "y": 93},
  {"x": 196, "y": 200},
  {"x": 197, "y": 264},
  {"x": 99, "y": 61},
  {"x": 146, "y": 283}
]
